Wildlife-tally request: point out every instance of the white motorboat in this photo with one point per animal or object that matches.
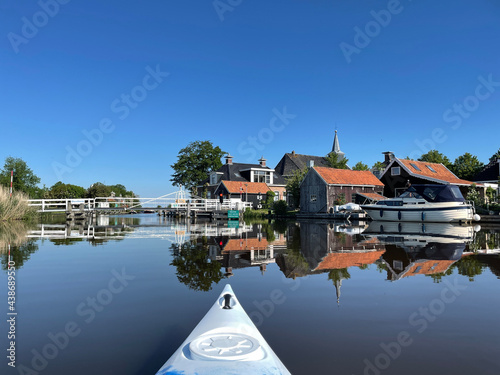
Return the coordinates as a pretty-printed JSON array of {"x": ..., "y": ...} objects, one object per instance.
[
  {"x": 225, "y": 341},
  {"x": 424, "y": 203}
]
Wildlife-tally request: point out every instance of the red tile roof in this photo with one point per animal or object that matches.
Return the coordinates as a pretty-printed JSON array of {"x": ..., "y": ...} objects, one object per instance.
[
  {"x": 345, "y": 260},
  {"x": 334, "y": 176},
  {"x": 428, "y": 267},
  {"x": 234, "y": 187},
  {"x": 246, "y": 244},
  {"x": 441, "y": 172}
]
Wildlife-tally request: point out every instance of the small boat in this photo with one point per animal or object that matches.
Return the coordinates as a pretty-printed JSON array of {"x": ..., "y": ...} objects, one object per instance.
[
  {"x": 225, "y": 341},
  {"x": 424, "y": 203}
]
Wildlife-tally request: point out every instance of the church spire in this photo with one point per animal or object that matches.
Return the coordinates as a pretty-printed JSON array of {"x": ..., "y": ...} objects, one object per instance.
[{"x": 336, "y": 148}]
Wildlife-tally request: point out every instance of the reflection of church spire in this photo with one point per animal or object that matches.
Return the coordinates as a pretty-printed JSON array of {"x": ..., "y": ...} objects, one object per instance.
[
  {"x": 338, "y": 284},
  {"x": 336, "y": 148}
]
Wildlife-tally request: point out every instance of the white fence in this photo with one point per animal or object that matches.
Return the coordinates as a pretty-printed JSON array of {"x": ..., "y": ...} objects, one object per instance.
[{"x": 103, "y": 203}]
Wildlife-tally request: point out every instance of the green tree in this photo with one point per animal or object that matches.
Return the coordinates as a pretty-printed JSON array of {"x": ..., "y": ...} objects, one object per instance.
[
  {"x": 268, "y": 204},
  {"x": 379, "y": 166},
  {"x": 24, "y": 179},
  {"x": 473, "y": 195},
  {"x": 293, "y": 185},
  {"x": 467, "y": 166},
  {"x": 360, "y": 167},
  {"x": 98, "y": 190},
  {"x": 495, "y": 156},
  {"x": 434, "y": 156},
  {"x": 64, "y": 191},
  {"x": 333, "y": 162},
  {"x": 194, "y": 162}
]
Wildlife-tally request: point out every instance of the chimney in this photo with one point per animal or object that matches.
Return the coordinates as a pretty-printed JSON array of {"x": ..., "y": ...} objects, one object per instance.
[
  {"x": 293, "y": 153},
  {"x": 262, "y": 161},
  {"x": 389, "y": 156},
  {"x": 311, "y": 163},
  {"x": 229, "y": 159}
]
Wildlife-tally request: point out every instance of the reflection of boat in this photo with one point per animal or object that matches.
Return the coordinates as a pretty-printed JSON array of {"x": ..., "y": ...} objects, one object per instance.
[
  {"x": 420, "y": 232},
  {"x": 224, "y": 342},
  {"x": 424, "y": 203}
]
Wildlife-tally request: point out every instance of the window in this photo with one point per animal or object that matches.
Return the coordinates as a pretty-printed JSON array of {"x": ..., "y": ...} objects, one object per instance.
[
  {"x": 430, "y": 168},
  {"x": 353, "y": 197},
  {"x": 213, "y": 179},
  {"x": 395, "y": 171},
  {"x": 313, "y": 198},
  {"x": 397, "y": 265},
  {"x": 415, "y": 166},
  {"x": 276, "y": 196},
  {"x": 262, "y": 176}
]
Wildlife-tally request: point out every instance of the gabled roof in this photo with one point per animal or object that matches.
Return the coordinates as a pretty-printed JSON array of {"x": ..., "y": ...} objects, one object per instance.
[
  {"x": 430, "y": 171},
  {"x": 234, "y": 187},
  {"x": 334, "y": 176},
  {"x": 351, "y": 259},
  {"x": 246, "y": 244},
  {"x": 491, "y": 172},
  {"x": 290, "y": 162}
]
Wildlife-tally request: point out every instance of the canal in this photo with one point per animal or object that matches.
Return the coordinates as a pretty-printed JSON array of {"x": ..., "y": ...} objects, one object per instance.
[{"x": 120, "y": 296}]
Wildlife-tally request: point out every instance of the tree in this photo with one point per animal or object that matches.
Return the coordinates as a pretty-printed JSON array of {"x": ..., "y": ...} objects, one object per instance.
[
  {"x": 24, "y": 179},
  {"x": 467, "y": 166},
  {"x": 64, "y": 191},
  {"x": 360, "y": 167},
  {"x": 333, "y": 162},
  {"x": 379, "y": 166},
  {"x": 194, "y": 162},
  {"x": 434, "y": 156},
  {"x": 98, "y": 190},
  {"x": 293, "y": 185},
  {"x": 495, "y": 156}
]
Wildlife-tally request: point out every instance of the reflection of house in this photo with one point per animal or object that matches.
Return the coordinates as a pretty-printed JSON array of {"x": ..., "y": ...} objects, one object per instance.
[
  {"x": 429, "y": 259},
  {"x": 401, "y": 171},
  {"x": 243, "y": 174},
  {"x": 323, "y": 187},
  {"x": 234, "y": 253}
]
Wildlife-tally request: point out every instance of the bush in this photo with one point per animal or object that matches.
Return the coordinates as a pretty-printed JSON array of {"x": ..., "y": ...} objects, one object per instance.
[{"x": 280, "y": 208}]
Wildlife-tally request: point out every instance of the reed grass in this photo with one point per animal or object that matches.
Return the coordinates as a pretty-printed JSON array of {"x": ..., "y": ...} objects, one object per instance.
[{"x": 15, "y": 207}]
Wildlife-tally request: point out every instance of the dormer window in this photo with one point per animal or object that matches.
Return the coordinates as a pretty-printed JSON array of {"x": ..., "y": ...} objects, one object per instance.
[{"x": 262, "y": 176}]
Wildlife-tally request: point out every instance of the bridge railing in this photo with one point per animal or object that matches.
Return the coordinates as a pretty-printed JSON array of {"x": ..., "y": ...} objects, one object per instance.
[{"x": 61, "y": 205}]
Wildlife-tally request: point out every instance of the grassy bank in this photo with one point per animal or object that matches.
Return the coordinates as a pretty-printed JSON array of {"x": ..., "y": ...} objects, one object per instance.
[{"x": 15, "y": 207}]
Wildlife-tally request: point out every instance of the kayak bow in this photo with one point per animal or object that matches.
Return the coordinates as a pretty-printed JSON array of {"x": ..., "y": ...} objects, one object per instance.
[{"x": 225, "y": 341}]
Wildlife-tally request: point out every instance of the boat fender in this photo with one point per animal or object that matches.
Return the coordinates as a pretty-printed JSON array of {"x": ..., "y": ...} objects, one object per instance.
[
  {"x": 477, "y": 217},
  {"x": 227, "y": 302},
  {"x": 423, "y": 216},
  {"x": 399, "y": 215}
]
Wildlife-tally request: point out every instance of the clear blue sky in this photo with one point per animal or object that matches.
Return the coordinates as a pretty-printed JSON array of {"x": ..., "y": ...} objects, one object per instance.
[{"x": 388, "y": 75}]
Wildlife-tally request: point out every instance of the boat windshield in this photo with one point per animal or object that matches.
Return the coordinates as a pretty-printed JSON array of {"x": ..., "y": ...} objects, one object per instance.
[
  {"x": 411, "y": 193},
  {"x": 435, "y": 193}
]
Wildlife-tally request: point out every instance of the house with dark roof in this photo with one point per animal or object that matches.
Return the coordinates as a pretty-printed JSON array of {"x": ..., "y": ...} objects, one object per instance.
[
  {"x": 400, "y": 173},
  {"x": 322, "y": 187},
  {"x": 242, "y": 180},
  {"x": 292, "y": 162},
  {"x": 490, "y": 175}
]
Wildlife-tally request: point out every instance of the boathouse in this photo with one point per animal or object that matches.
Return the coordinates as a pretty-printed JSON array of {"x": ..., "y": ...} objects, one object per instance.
[
  {"x": 254, "y": 192},
  {"x": 323, "y": 188}
]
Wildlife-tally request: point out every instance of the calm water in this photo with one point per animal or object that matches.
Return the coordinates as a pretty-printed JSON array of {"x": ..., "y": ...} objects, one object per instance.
[{"x": 119, "y": 297}]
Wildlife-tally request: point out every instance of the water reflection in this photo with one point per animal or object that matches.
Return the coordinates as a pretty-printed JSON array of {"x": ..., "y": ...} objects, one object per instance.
[
  {"x": 204, "y": 254},
  {"x": 15, "y": 235}
]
